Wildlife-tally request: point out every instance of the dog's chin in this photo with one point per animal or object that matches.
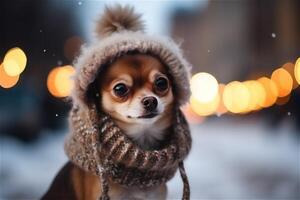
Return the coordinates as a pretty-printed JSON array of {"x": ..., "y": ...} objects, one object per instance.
[
  {"x": 149, "y": 118},
  {"x": 145, "y": 120}
]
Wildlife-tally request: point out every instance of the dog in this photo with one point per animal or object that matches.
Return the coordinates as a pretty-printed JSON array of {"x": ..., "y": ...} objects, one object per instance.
[
  {"x": 136, "y": 92},
  {"x": 127, "y": 136}
]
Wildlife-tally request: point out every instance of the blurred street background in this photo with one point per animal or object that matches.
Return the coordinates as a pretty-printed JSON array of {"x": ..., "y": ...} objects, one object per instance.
[{"x": 244, "y": 110}]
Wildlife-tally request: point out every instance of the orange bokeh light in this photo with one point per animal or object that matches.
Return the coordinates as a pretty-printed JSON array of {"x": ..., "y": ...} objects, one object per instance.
[
  {"x": 63, "y": 81},
  {"x": 50, "y": 82},
  {"x": 14, "y": 62},
  {"x": 257, "y": 95},
  {"x": 191, "y": 116},
  {"x": 283, "y": 100},
  {"x": 271, "y": 91},
  {"x": 236, "y": 97},
  {"x": 283, "y": 81},
  {"x": 297, "y": 70},
  {"x": 59, "y": 81},
  {"x": 7, "y": 81},
  {"x": 204, "y": 87},
  {"x": 204, "y": 109},
  {"x": 221, "y": 108}
]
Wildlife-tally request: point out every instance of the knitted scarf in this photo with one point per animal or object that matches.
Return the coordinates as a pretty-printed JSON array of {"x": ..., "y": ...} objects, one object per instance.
[{"x": 97, "y": 145}]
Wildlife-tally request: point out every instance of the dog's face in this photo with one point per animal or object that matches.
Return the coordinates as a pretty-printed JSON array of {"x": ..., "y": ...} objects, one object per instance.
[{"x": 136, "y": 89}]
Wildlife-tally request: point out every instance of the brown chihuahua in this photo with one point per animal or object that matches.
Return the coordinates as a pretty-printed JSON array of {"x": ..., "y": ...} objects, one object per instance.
[{"x": 132, "y": 149}]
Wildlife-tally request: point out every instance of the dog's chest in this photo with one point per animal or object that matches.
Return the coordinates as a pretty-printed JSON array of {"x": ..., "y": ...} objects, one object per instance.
[
  {"x": 121, "y": 193},
  {"x": 146, "y": 136}
]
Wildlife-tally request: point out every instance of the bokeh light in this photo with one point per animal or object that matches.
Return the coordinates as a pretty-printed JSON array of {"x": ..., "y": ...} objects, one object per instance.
[
  {"x": 283, "y": 81},
  {"x": 191, "y": 116},
  {"x": 204, "y": 87},
  {"x": 271, "y": 91},
  {"x": 60, "y": 81},
  {"x": 236, "y": 97},
  {"x": 297, "y": 70},
  {"x": 221, "y": 107},
  {"x": 204, "y": 109},
  {"x": 283, "y": 100},
  {"x": 257, "y": 95},
  {"x": 63, "y": 80},
  {"x": 51, "y": 82},
  {"x": 14, "y": 61},
  {"x": 7, "y": 81}
]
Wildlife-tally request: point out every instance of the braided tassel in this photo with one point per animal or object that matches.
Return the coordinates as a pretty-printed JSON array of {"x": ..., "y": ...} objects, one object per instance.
[
  {"x": 186, "y": 186},
  {"x": 102, "y": 175},
  {"x": 104, "y": 184},
  {"x": 99, "y": 163}
]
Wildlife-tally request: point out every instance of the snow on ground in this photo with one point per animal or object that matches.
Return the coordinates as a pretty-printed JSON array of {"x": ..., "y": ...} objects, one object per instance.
[
  {"x": 228, "y": 161},
  {"x": 27, "y": 170},
  {"x": 238, "y": 161}
]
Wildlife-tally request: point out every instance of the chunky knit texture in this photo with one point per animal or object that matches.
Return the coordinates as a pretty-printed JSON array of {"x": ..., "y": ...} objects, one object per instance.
[
  {"x": 98, "y": 145},
  {"x": 95, "y": 143}
]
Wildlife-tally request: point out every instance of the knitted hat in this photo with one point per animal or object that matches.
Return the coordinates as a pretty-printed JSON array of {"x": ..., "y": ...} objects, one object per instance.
[
  {"x": 120, "y": 31},
  {"x": 95, "y": 142}
]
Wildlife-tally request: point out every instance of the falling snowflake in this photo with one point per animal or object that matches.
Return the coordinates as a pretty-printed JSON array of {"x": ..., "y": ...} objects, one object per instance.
[
  {"x": 44, "y": 50},
  {"x": 208, "y": 51},
  {"x": 289, "y": 113},
  {"x": 41, "y": 30},
  {"x": 80, "y": 3},
  {"x": 56, "y": 115},
  {"x": 273, "y": 35},
  {"x": 59, "y": 62}
]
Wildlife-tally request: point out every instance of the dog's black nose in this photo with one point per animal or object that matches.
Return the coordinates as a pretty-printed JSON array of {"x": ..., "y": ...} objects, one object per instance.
[{"x": 149, "y": 103}]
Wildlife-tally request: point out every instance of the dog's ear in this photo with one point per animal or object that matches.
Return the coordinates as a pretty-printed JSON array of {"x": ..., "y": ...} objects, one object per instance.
[
  {"x": 118, "y": 18},
  {"x": 93, "y": 95}
]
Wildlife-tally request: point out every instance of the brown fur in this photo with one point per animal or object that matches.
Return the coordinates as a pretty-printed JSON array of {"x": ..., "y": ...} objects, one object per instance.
[
  {"x": 72, "y": 183},
  {"x": 86, "y": 185}
]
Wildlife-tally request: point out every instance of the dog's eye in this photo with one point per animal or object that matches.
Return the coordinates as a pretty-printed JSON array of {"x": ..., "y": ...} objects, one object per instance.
[
  {"x": 161, "y": 84},
  {"x": 121, "y": 90}
]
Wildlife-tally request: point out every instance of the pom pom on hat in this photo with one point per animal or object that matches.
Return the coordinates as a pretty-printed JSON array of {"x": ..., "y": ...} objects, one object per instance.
[{"x": 118, "y": 18}]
